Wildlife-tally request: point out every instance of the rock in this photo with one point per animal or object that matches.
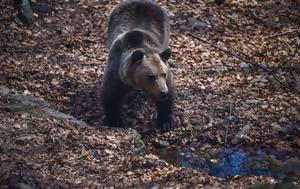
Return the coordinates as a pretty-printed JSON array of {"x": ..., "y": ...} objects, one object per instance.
[
  {"x": 293, "y": 110},
  {"x": 22, "y": 186},
  {"x": 190, "y": 128},
  {"x": 157, "y": 186},
  {"x": 209, "y": 96},
  {"x": 26, "y": 100},
  {"x": 16, "y": 126},
  {"x": 210, "y": 187},
  {"x": 174, "y": 64},
  {"x": 22, "y": 140},
  {"x": 244, "y": 66},
  {"x": 171, "y": 14},
  {"x": 161, "y": 144},
  {"x": 195, "y": 121},
  {"x": 241, "y": 134},
  {"x": 283, "y": 119},
  {"x": 24, "y": 103},
  {"x": 164, "y": 143},
  {"x": 207, "y": 146},
  {"x": 59, "y": 115},
  {"x": 252, "y": 101},
  {"x": 4, "y": 90},
  {"x": 276, "y": 127},
  {"x": 192, "y": 24},
  {"x": 292, "y": 129}
]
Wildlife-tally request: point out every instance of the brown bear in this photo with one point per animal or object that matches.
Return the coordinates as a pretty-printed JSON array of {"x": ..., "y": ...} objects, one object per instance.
[{"x": 138, "y": 41}]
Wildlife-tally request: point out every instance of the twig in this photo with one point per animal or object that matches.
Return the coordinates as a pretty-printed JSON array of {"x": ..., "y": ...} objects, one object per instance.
[
  {"x": 21, "y": 50},
  {"x": 231, "y": 53},
  {"x": 203, "y": 130},
  {"x": 289, "y": 59},
  {"x": 238, "y": 145},
  {"x": 227, "y": 125},
  {"x": 284, "y": 33},
  {"x": 253, "y": 63},
  {"x": 234, "y": 149},
  {"x": 230, "y": 111}
]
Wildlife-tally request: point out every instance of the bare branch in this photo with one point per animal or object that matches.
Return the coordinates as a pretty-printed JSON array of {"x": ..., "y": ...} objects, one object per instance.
[
  {"x": 227, "y": 125},
  {"x": 253, "y": 63},
  {"x": 284, "y": 33},
  {"x": 289, "y": 59}
]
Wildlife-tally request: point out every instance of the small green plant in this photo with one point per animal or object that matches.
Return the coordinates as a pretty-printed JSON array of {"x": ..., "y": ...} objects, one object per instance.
[{"x": 139, "y": 144}]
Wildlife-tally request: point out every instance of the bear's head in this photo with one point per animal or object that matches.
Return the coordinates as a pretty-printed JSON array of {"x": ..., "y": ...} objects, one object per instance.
[{"x": 150, "y": 72}]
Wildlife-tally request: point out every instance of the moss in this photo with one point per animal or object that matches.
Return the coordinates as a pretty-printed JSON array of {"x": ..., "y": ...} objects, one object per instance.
[{"x": 10, "y": 104}]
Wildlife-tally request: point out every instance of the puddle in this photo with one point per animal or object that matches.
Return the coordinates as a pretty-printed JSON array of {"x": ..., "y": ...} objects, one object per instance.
[{"x": 227, "y": 162}]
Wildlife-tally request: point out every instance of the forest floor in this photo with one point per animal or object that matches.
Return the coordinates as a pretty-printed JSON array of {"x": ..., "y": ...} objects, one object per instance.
[{"x": 223, "y": 102}]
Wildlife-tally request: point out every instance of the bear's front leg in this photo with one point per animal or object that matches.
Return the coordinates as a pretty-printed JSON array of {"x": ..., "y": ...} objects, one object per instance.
[
  {"x": 112, "y": 99},
  {"x": 166, "y": 120}
]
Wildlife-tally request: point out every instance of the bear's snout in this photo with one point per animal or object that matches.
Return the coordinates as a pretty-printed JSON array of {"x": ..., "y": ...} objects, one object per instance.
[{"x": 164, "y": 95}]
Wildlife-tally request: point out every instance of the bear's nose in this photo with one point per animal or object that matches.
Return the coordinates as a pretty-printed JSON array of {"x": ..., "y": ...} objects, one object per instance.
[{"x": 164, "y": 95}]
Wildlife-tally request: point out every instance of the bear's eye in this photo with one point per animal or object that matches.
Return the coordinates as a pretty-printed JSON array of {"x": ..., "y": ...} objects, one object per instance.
[{"x": 151, "y": 78}]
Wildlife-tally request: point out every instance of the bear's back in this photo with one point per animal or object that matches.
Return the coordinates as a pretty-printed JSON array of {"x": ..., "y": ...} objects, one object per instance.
[{"x": 142, "y": 15}]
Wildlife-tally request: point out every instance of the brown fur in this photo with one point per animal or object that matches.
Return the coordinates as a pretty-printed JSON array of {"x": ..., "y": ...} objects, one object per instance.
[{"x": 138, "y": 47}]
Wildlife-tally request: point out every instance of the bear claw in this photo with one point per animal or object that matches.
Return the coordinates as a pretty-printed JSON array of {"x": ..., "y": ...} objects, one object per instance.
[{"x": 168, "y": 125}]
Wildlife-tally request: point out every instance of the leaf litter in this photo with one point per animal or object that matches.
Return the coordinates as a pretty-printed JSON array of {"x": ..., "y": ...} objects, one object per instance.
[{"x": 61, "y": 59}]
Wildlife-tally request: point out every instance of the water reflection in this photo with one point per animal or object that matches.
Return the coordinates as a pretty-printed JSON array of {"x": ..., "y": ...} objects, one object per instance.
[{"x": 229, "y": 162}]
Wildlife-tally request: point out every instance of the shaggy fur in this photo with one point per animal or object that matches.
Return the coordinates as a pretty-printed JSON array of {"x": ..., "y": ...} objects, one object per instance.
[{"x": 138, "y": 40}]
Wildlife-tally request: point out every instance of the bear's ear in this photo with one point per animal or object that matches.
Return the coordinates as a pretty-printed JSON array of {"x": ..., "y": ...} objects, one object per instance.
[
  {"x": 166, "y": 55},
  {"x": 137, "y": 56}
]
